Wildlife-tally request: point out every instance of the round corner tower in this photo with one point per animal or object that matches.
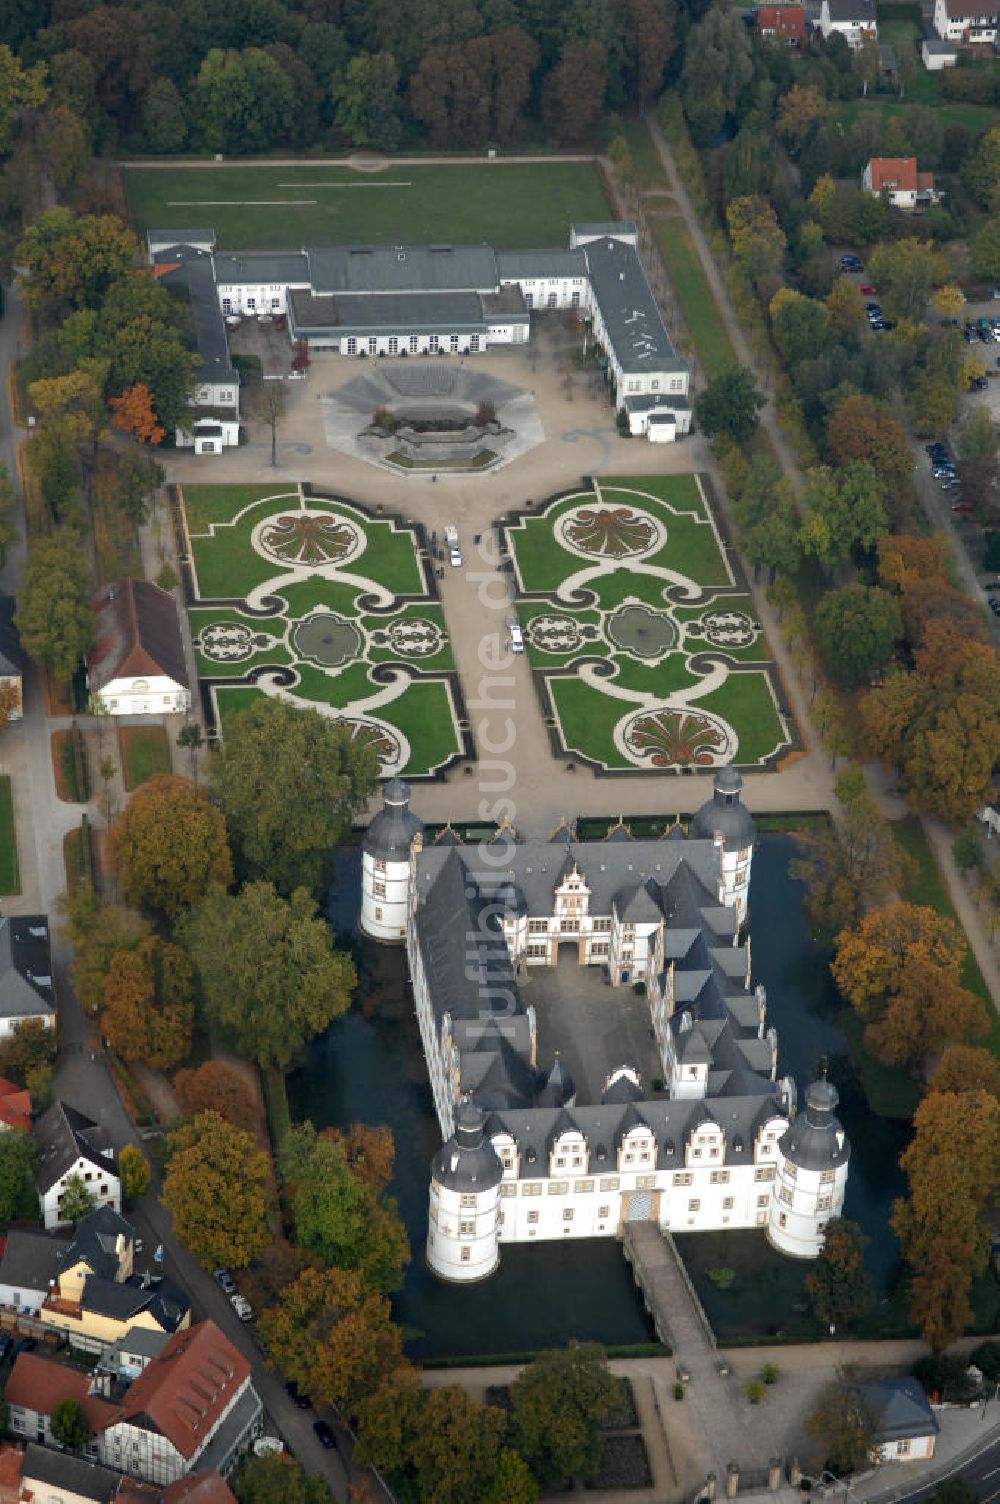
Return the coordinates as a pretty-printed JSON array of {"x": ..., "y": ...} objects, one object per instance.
[
  {"x": 385, "y": 865},
  {"x": 811, "y": 1175},
  {"x": 463, "y": 1231},
  {"x": 726, "y": 820}
]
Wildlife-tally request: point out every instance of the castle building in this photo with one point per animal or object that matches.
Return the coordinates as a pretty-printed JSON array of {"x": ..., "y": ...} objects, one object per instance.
[{"x": 638, "y": 1084}]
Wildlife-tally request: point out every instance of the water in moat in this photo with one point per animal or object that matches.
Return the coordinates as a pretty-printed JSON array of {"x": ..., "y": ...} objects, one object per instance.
[{"x": 369, "y": 1067}]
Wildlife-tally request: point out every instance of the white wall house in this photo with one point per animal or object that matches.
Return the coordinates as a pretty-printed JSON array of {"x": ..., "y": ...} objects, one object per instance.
[
  {"x": 902, "y": 1422},
  {"x": 136, "y": 663},
  {"x": 938, "y": 54},
  {"x": 968, "y": 23},
  {"x": 898, "y": 180},
  {"x": 853, "y": 19},
  {"x": 73, "y": 1145},
  {"x": 26, "y": 982}
]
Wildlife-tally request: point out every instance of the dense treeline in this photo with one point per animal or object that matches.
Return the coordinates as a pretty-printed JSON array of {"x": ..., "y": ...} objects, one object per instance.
[{"x": 206, "y": 74}]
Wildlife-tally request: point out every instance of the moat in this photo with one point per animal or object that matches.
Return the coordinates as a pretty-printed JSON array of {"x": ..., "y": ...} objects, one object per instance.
[{"x": 369, "y": 1067}]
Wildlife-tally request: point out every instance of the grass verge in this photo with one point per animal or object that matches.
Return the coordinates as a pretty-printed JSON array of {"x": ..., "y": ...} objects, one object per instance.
[
  {"x": 700, "y": 310},
  {"x": 10, "y": 878},
  {"x": 144, "y": 753},
  {"x": 279, "y": 1116},
  {"x": 69, "y": 762}
]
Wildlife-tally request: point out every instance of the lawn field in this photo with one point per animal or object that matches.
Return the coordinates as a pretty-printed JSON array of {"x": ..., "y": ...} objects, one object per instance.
[
  {"x": 641, "y": 632},
  {"x": 700, "y": 310},
  {"x": 315, "y": 599},
  {"x": 144, "y": 753},
  {"x": 10, "y": 881},
  {"x": 503, "y": 204}
]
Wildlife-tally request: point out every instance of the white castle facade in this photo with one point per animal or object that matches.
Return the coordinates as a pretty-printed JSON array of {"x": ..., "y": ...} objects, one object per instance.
[{"x": 708, "y": 1138}]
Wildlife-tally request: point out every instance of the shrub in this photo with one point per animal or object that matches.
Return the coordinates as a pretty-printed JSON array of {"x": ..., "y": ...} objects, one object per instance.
[
  {"x": 966, "y": 850},
  {"x": 754, "y": 1391},
  {"x": 770, "y": 1373},
  {"x": 678, "y": 1390},
  {"x": 722, "y": 1277}
]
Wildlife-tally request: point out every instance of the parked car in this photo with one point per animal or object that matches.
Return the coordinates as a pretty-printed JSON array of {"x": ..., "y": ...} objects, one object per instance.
[
  {"x": 949, "y": 483},
  {"x": 324, "y": 1435},
  {"x": 979, "y": 384},
  {"x": 866, "y": 291},
  {"x": 224, "y": 1280},
  {"x": 25, "y": 1345},
  {"x": 964, "y": 508},
  {"x": 516, "y": 637},
  {"x": 296, "y": 1396},
  {"x": 850, "y": 263},
  {"x": 242, "y": 1307},
  {"x": 873, "y": 307},
  {"x": 455, "y": 558},
  {"x": 6, "y": 1343}
]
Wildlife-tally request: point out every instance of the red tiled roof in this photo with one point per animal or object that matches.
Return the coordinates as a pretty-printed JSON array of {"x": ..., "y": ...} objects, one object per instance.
[
  {"x": 925, "y": 182},
  {"x": 785, "y": 20},
  {"x": 195, "y": 1488},
  {"x": 183, "y": 1392},
  {"x": 971, "y": 10},
  {"x": 137, "y": 634},
  {"x": 38, "y": 1384},
  {"x": 15, "y": 1105},
  {"x": 894, "y": 173}
]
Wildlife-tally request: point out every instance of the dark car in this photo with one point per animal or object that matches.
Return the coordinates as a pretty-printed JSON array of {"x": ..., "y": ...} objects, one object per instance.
[
  {"x": 295, "y": 1395},
  {"x": 324, "y": 1435},
  {"x": 850, "y": 263},
  {"x": 25, "y": 1345},
  {"x": 964, "y": 508},
  {"x": 6, "y": 1343}
]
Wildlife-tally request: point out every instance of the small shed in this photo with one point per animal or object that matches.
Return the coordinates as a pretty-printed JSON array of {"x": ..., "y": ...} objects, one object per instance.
[
  {"x": 903, "y": 1424},
  {"x": 937, "y": 54}
]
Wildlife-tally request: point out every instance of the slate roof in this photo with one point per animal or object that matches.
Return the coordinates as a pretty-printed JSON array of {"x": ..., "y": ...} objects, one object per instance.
[
  {"x": 276, "y": 268},
  {"x": 467, "y": 1161},
  {"x": 724, "y": 814},
  {"x": 541, "y": 264},
  {"x": 88, "y": 1480},
  {"x": 95, "y": 1242},
  {"x": 370, "y": 270},
  {"x": 407, "y": 313},
  {"x": 193, "y": 273},
  {"x": 630, "y": 312},
  {"x": 137, "y": 635},
  {"x": 390, "y": 833},
  {"x": 860, "y": 12},
  {"x": 25, "y": 967},
  {"x": 65, "y": 1135},
  {"x": 184, "y": 1391},
  {"x": 898, "y": 1408},
  {"x": 158, "y": 240},
  {"x": 166, "y": 1303},
  {"x": 31, "y": 1259},
  {"x": 815, "y": 1140}
]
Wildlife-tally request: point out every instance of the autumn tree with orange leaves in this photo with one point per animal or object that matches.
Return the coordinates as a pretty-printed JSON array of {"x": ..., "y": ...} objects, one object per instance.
[
  {"x": 218, "y": 1087},
  {"x": 149, "y": 1003},
  {"x": 133, "y": 412},
  {"x": 170, "y": 846}
]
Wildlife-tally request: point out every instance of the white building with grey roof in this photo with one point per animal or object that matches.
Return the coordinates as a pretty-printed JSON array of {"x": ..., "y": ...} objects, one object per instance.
[
  {"x": 401, "y": 301},
  {"x": 570, "y": 1100}
]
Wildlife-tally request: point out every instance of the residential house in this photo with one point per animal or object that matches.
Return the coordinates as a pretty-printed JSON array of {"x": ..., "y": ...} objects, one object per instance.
[
  {"x": 30, "y": 1261},
  {"x": 97, "y": 1316},
  {"x": 854, "y": 19},
  {"x": 782, "y": 23},
  {"x": 967, "y": 23},
  {"x": 938, "y": 54},
  {"x": 136, "y": 662},
  {"x": 37, "y": 1385},
  {"x": 902, "y": 1421},
  {"x": 26, "y": 988},
  {"x": 196, "y": 1488},
  {"x": 15, "y": 1106},
  {"x": 50, "y": 1477},
  {"x": 897, "y": 179},
  {"x": 192, "y": 1408},
  {"x": 73, "y": 1145},
  {"x": 131, "y": 1354},
  {"x": 11, "y": 662},
  {"x": 215, "y": 409}
]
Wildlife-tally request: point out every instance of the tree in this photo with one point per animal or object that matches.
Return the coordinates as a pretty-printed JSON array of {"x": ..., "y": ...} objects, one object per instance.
[
  {"x": 370, "y": 1152},
  {"x": 20, "y": 89},
  {"x": 842, "y": 1426},
  {"x": 729, "y": 405},
  {"x": 366, "y": 101},
  {"x": 840, "y": 1289},
  {"x": 71, "y": 261},
  {"x": 338, "y": 1214},
  {"x": 906, "y": 271},
  {"x": 77, "y": 1200},
  {"x": 856, "y": 629},
  {"x": 170, "y": 845},
  {"x": 981, "y": 170},
  {"x": 573, "y": 92},
  {"x": 269, "y": 980},
  {"x": 843, "y": 512},
  {"x": 69, "y": 1425},
  {"x": 134, "y": 1173},
  {"x": 64, "y": 146},
  {"x": 218, "y": 1087},
  {"x": 799, "y": 111},
  {"x": 847, "y": 866},
  {"x": 148, "y": 1003},
  {"x": 243, "y": 101},
  {"x": 290, "y": 782},
  {"x": 800, "y": 325},
  {"x": 276, "y": 1478},
  {"x": 334, "y": 1338},
  {"x": 978, "y": 438},
  {"x": 986, "y": 249},
  {"x": 558, "y": 1404},
  {"x": 949, "y": 300},
  {"x": 454, "y": 1451},
  {"x": 215, "y": 1186},
  {"x": 718, "y": 67},
  {"x": 757, "y": 237},
  {"x": 386, "y": 1419},
  {"x": 514, "y": 1482},
  {"x": 963, "y": 1067},
  {"x": 53, "y": 614},
  {"x": 18, "y": 1158},
  {"x": 866, "y": 61},
  {"x": 190, "y": 737},
  {"x": 652, "y": 41},
  {"x": 871, "y": 958},
  {"x": 846, "y": 307},
  {"x": 860, "y": 429},
  {"x": 95, "y": 932},
  {"x": 268, "y": 406},
  {"x": 123, "y": 480},
  {"x": 133, "y": 412},
  {"x": 164, "y": 117}
]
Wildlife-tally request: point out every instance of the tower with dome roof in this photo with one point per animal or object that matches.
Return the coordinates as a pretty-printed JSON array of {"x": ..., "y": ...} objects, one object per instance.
[
  {"x": 726, "y": 820},
  {"x": 385, "y": 865}
]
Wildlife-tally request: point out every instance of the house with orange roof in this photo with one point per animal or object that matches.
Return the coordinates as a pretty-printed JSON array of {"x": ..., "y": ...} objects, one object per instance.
[
  {"x": 136, "y": 663},
  {"x": 897, "y": 179},
  {"x": 15, "y": 1106},
  {"x": 782, "y": 23},
  {"x": 36, "y": 1386}
]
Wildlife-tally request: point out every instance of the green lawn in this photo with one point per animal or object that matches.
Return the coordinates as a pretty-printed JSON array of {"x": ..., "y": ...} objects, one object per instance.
[
  {"x": 975, "y": 117},
  {"x": 701, "y": 313},
  {"x": 144, "y": 752},
  {"x": 267, "y": 207},
  {"x": 10, "y": 881},
  {"x": 207, "y": 504},
  {"x": 588, "y": 720}
]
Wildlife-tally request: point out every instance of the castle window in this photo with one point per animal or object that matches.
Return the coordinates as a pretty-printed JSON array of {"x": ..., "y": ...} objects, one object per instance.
[
  {"x": 782, "y": 1220},
  {"x": 568, "y": 1214},
  {"x": 611, "y": 1183},
  {"x": 466, "y": 1255},
  {"x": 567, "y": 926},
  {"x": 720, "y": 1177},
  {"x": 694, "y": 1205},
  {"x": 683, "y": 1178},
  {"x": 692, "y": 1071},
  {"x": 538, "y": 926},
  {"x": 827, "y": 1177},
  {"x": 558, "y": 1187},
  {"x": 532, "y": 1217},
  {"x": 467, "y": 1229},
  {"x": 766, "y": 1173},
  {"x": 696, "y": 1153},
  {"x": 379, "y": 864},
  {"x": 791, "y": 1173},
  {"x": 599, "y": 950},
  {"x": 534, "y": 1189},
  {"x": 645, "y": 1182},
  {"x": 561, "y": 1162},
  {"x": 728, "y": 1204},
  {"x": 469, "y": 1201},
  {"x": 508, "y": 1190},
  {"x": 785, "y": 1195},
  {"x": 583, "y": 1185},
  {"x": 824, "y": 1203},
  {"x": 763, "y": 1200},
  {"x": 378, "y": 916},
  {"x": 601, "y": 924},
  {"x": 537, "y": 951},
  {"x": 378, "y": 889},
  {"x": 603, "y": 1211}
]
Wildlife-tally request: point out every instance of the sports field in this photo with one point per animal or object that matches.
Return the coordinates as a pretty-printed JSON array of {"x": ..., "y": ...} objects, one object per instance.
[
  {"x": 312, "y": 599},
  {"x": 507, "y": 204},
  {"x": 643, "y": 635}
]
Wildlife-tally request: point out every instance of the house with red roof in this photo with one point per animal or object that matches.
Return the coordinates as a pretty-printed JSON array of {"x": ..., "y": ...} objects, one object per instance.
[
  {"x": 782, "y": 23},
  {"x": 15, "y": 1106},
  {"x": 136, "y": 663},
  {"x": 897, "y": 179}
]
